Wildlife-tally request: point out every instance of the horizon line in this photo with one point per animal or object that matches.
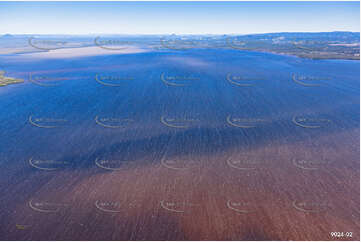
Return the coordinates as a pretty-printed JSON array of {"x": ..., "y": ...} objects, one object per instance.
[{"x": 254, "y": 33}]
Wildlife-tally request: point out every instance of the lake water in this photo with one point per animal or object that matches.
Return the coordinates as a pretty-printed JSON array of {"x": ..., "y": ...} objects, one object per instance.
[{"x": 201, "y": 144}]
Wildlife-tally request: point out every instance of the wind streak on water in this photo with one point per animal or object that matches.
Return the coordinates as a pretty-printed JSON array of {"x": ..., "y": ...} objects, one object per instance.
[{"x": 204, "y": 159}]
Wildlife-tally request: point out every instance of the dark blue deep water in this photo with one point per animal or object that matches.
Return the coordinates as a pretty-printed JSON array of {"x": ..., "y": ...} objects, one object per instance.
[
  {"x": 197, "y": 130},
  {"x": 267, "y": 93}
]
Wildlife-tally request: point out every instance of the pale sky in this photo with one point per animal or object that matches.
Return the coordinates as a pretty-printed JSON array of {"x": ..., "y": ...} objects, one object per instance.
[{"x": 177, "y": 17}]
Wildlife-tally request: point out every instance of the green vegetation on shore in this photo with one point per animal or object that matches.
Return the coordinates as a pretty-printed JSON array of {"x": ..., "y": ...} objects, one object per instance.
[
  {"x": 324, "y": 45},
  {"x": 4, "y": 81}
]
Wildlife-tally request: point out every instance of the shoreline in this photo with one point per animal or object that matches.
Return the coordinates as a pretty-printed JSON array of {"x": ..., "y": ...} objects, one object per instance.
[{"x": 88, "y": 51}]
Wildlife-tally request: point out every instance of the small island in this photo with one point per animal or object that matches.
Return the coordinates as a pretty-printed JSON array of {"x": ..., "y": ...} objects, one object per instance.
[{"x": 4, "y": 81}]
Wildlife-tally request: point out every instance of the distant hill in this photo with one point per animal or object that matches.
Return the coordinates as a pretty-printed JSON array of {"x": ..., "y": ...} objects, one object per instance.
[
  {"x": 307, "y": 36},
  {"x": 7, "y": 36}
]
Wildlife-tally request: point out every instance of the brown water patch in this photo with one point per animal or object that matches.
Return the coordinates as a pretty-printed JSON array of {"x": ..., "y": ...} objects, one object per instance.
[{"x": 277, "y": 200}]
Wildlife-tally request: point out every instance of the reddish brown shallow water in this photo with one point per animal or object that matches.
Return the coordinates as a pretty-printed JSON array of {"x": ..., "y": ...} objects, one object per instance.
[
  {"x": 210, "y": 181},
  {"x": 218, "y": 197}
]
